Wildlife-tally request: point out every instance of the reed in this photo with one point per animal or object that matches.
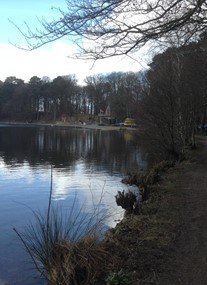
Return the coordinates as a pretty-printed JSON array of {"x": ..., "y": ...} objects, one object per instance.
[{"x": 66, "y": 248}]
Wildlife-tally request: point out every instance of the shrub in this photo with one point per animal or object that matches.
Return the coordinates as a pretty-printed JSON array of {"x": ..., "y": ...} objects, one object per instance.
[{"x": 142, "y": 181}]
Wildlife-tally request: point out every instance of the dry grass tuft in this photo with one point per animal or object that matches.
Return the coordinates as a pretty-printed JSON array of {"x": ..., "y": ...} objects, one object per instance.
[
  {"x": 78, "y": 262},
  {"x": 67, "y": 249}
]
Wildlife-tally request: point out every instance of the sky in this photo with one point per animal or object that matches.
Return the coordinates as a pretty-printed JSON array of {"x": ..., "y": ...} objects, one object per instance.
[{"x": 53, "y": 59}]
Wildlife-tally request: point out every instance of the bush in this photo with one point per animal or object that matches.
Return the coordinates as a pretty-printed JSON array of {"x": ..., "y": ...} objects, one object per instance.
[{"x": 142, "y": 181}]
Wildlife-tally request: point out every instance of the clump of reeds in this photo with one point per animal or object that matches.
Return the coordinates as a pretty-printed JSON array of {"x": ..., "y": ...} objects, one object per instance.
[
  {"x": 79, "y": 262},
  {"x": 128, "y": 201},
  {"x": 66, "y": 249}
]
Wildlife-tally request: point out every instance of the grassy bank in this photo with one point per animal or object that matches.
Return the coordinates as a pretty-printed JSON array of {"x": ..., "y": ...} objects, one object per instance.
[{"x": 145, "y": 244}]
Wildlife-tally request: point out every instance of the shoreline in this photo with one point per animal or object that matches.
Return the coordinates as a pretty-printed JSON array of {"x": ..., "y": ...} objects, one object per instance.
[
  {"x": 71, "y": 125},
  {"x": 168, "y": 235}
]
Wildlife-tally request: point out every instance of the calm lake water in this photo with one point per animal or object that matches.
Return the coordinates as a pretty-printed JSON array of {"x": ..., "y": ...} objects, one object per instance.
[{"x": 87, "y": 165}]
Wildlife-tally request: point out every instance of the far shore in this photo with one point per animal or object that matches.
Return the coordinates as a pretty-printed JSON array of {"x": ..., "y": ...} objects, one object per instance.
[{"x": 70, "y": 125}]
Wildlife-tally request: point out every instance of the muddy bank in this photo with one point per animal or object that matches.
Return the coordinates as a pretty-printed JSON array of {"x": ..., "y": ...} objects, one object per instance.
[{"x": 166, "y": 244}]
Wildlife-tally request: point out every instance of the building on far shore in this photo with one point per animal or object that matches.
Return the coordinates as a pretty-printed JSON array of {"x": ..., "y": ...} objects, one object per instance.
[{"x": 105, "y": 117}]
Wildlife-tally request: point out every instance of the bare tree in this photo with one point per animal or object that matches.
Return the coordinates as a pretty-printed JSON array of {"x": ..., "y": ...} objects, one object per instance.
[
  {"x": 174, "y": 102},
  {"x": 165, "y": 103},
  {"x": 105, "y": 28}
]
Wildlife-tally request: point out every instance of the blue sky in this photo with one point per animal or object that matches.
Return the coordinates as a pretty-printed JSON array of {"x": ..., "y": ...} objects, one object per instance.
[
  {"x": 25, "y": 11},
  {"x": 50, "y": 60}
]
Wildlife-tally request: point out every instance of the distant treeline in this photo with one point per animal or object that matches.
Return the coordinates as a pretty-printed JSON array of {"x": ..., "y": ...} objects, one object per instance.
[{"x": 63, "y": 97}]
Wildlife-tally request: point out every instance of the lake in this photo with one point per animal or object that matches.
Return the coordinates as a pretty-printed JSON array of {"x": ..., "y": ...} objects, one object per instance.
[{"x": 87, "y": 165}]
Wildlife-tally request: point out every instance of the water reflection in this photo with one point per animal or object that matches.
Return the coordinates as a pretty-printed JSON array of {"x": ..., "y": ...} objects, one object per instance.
[
  {"x": 43, "y": 144},
  {"x": 86, "y": 165}
]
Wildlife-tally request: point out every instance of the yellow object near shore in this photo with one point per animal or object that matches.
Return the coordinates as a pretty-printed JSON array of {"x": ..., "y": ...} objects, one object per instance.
[{"x": 129, "y": 122}]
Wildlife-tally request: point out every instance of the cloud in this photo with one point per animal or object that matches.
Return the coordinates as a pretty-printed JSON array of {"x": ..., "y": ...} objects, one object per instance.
[
  {"x": 55, "y": 60},
  {"x": 51, "y": 61}
]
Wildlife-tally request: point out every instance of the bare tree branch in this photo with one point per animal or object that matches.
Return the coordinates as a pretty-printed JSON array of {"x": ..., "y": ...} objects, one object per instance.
[{"x": 105, "y": 28}]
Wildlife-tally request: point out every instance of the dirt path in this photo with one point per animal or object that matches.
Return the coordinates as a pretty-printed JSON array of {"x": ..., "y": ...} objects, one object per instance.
[{"x": 188, "y": 261}]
